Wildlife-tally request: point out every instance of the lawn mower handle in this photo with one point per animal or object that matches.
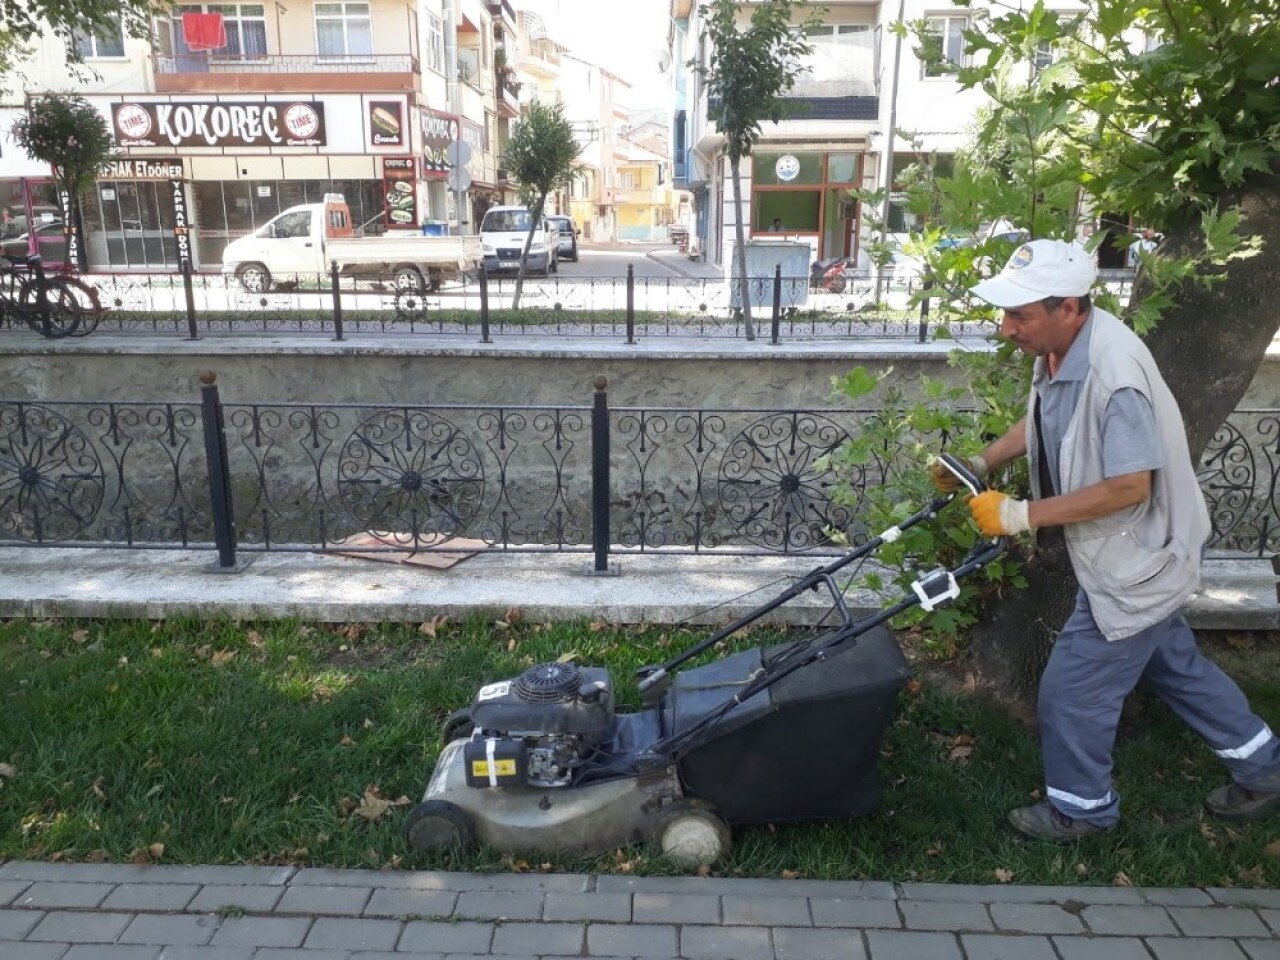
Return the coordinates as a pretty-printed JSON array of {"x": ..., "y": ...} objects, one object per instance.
[{"x": 649, "y": 676}]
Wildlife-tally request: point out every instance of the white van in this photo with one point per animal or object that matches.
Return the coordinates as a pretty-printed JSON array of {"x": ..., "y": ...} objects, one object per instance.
[{"x": 502, "y": 234}]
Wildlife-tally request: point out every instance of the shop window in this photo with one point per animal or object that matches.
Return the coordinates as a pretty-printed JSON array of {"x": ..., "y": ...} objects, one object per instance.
[
  {"x": 765, "y": 169},
  {"x": 842, "y": 168},
  {"x": 343, "y": 30},
  {"x": 797, "y": 209},
  {"x": 106, "y": 41},
  {"x": 942, "y": 46}
]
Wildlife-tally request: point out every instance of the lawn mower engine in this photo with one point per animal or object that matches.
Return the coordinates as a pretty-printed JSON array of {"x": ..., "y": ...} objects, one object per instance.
[{"x": 539, "y": 728}]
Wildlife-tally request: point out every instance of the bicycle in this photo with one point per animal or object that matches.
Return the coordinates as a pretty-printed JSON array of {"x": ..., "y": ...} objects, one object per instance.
[{"x": 53, "y": 306}]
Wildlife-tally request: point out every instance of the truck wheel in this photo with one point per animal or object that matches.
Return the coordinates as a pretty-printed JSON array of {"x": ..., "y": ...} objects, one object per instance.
[
  {"x": 438, "y": 825},
  {"x": 409, "y": 278},
  {"x": 254, "y": 278},
  {"x": 690, "y": 833}
]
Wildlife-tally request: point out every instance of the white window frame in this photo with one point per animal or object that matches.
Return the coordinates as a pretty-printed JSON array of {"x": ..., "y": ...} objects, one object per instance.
[
  {"x": 344, "y": 17},
  {"x": 931, "y": 71},
  {"x": 435, "y": 42},
  {"x": 232, "y": 22},
  {"x": 87, "y": 43}
]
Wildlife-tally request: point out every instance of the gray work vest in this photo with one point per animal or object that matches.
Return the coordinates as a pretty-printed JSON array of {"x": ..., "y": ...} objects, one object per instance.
[{"x": 1139, "y": 565}]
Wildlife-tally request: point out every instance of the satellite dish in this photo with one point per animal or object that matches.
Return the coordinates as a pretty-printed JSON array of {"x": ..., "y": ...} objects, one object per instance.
[{"x": 663, "y": 60}]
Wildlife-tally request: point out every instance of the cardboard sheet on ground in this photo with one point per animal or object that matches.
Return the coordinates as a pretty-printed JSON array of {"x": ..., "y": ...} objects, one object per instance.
[{"x": 432, "y": 559}]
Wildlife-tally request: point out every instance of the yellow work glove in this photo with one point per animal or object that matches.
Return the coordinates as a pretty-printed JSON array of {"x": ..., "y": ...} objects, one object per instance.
[
  {"x": 998, "y": 514},
  {"x": 946, "y": 481}
]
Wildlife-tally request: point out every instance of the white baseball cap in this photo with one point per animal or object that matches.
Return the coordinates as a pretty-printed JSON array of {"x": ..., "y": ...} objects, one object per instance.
[{"x": 1039, "y": 269}]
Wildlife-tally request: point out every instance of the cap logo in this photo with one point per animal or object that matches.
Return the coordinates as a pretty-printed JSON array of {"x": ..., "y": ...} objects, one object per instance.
[{"x": 1021, "y": 258}]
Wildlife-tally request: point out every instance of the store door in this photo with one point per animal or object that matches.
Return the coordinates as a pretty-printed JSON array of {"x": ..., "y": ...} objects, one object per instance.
[{"x": 135, "y": 221}]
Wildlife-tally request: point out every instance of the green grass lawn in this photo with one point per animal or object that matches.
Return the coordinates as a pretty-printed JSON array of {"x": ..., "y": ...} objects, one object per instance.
[{"x": 256, "y": 743}]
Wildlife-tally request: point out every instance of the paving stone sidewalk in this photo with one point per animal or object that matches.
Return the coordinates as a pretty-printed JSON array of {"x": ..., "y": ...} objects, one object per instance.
[{"x": 53, "y": 911}]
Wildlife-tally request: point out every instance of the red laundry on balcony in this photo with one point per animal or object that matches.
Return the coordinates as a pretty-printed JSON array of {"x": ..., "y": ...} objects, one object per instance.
[{"x": 204, "y": 31}]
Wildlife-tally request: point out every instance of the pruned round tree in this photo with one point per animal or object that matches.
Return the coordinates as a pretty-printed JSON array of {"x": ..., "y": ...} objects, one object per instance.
[
  {"x": 70, "y": 135},
  {"x": 750, "y": 69},
  {"x": 541, "y": 157}
]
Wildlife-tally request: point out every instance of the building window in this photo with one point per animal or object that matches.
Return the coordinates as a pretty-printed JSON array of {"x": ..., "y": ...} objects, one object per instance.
[
  {"x": 627, "y": 180},
  {"x": 107, "y": 42},
  {"x": 842, "y": 63},
  {"x": 942, "y": 49},
  {"x": 343, "y": 30},
  {"x": 246, "y": 27},
  {"x": 435, "y": 43}
]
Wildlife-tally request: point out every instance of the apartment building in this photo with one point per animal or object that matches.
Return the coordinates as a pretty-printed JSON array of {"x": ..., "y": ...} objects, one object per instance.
[
  {"x": 644, "y": 198},
  {"x": 236, "y": 112},
  {"x": 848, "y": 96}
]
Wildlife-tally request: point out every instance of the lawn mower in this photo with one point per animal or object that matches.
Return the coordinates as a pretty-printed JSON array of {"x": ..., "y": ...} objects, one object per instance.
[{"x": 545, "y": 762}]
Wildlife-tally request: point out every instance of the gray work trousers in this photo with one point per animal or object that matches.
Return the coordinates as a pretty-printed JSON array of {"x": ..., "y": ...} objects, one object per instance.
[{"x": 1083, "y": 689}]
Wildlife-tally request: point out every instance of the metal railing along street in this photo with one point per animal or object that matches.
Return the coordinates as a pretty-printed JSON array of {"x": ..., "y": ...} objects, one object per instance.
[{"x": 239, "y": 477}]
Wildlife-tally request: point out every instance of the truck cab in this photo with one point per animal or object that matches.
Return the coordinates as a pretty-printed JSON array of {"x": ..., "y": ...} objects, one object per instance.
[{"x": 502, "y": 234}]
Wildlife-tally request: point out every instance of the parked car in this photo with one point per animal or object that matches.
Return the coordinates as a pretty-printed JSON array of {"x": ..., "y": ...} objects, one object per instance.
[
  {"x": 568, "y": 248},
  {"x": 502, "y": 233},
  {"x": 19, "y": 246}
]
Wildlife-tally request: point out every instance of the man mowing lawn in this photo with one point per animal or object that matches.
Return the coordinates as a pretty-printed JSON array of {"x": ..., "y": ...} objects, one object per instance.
[{"x": 1109, "y": 466}]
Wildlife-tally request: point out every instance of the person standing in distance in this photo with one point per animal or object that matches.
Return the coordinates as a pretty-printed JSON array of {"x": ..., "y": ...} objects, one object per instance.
[
  {"x": 776, "y": 226},
  {"x": 1109, "y": 465}
]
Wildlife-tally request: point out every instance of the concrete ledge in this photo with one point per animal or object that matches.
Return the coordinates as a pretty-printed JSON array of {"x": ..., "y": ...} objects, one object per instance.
[{"x": 652, "y": 588}]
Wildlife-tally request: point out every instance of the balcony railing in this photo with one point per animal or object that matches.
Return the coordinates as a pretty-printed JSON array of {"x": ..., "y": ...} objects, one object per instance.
[
  {"x": 189, "y": 63},
  {"x": 845, "y": 69}
]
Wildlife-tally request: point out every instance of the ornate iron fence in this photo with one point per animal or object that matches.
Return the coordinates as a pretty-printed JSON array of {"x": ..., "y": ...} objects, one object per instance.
[
  {"x": 256, "y": 477},
  {"x": 340, "y": 306}
]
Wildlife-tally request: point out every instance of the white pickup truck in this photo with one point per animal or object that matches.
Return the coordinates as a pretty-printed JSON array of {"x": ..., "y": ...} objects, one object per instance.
[{"x": 307, "y": 239}]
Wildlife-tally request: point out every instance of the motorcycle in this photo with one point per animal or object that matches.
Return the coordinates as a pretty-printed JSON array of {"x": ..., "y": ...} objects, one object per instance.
[{"x": 829, "y": 274}]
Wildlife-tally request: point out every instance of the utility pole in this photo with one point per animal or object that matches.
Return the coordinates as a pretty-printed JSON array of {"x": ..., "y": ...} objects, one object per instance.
[
  {"x": 451, "y": 83},
  {"x": 887, "y": 160}
]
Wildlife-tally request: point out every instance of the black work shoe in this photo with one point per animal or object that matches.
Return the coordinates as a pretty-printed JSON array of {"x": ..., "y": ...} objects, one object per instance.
[
  {"x": 1043, "y": 821},
  {"x": 1234, "y": 802}
]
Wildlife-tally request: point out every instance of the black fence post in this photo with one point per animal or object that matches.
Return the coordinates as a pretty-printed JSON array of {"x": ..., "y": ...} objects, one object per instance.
[
  {"x": 215, "y": 452},
  {"x": 631, "y": 304},
  {"x": 923, "y": 333},
  {"x": 600, "y": 481},
  {"x": 188, "y": 289},
  {"x": 335, "y": 282},
  {"x": 42, "y": 297},
  {"x": 483, "y": 276},
  {"x": 777, "y": 302}
]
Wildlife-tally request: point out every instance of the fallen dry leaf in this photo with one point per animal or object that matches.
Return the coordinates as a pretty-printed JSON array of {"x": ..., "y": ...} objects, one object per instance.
[
  {"x": 1003, "y": 875},
  {"x": 1209, "y": 834},
  {"x": 8, "y": 771},
  {"x": 96, "y": 788},
  {"x": 80, "y": 636},
  {"x": 511, "y": 645},
  {"x": 346, "y": 806},
  {"x": 1272, "y": 850},
  {"x": 961, "y": 753},
  {"x": 1251, "y": 875},
  {"x": 368, "y": 724},
  {"x": 568, "y": 657},
  {"x": 346, "y": 741},
  {"x": 431, "y": 627},
  {"x": 1122, "y": 880},
  {"x": 913, "y": 688},
  {"x": 1081, "y": 870},
  {"x": 222, "y": 657},
  {"x": 790, "y": 874},
  {"x": 156, "y": 850},
  {"x": 513, "y": 615},
  {"x": 704, "y": 870}
]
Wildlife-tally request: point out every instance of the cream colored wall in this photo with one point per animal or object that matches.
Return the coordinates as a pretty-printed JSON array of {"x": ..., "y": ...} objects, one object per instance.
[{"x": 47, "y": 69}]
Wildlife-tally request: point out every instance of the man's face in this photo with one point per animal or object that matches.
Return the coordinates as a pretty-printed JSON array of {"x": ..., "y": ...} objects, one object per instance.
[{"x": 1039, "y": 332}]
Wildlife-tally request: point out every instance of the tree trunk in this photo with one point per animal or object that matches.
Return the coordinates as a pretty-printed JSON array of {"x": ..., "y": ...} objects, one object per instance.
[
  {"x": 536, "y": 225},
  {"x": 744, "y": 282},
  {"x": 1208, "y": 346}
]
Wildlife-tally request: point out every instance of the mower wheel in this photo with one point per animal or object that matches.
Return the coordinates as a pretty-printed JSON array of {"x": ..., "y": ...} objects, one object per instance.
[
  {"x": 438, "y": 825},
  {"x": 457, "y": 726},
  {"x": 690, "y": 833}
]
